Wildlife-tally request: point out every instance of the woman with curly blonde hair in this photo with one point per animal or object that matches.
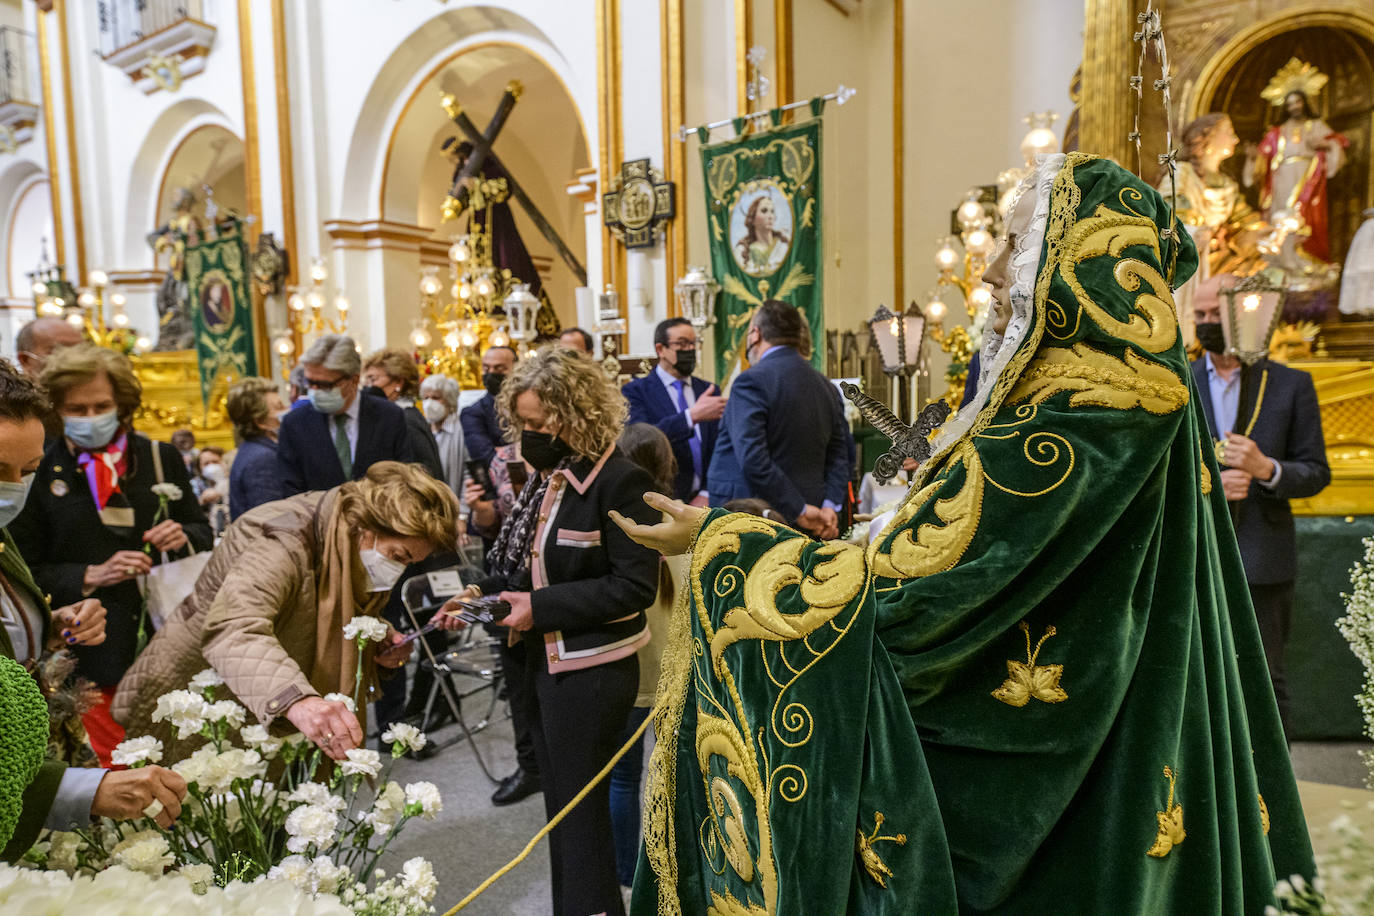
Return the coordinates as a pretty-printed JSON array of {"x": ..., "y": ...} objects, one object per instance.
[{"x": 578, "y": 588}]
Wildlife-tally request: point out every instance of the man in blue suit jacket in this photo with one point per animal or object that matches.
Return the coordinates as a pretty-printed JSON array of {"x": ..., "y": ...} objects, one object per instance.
[
  {"x": 482, "y": 432},
  {"x": 685, "y": 408},
  {"x": 340, "y": 435},
  {"x": 783, "y": 437},
  {"x": 1274, "y": 452}
]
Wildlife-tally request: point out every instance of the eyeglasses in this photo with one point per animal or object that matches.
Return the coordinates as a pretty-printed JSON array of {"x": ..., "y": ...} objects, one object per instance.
[
  {"x": 322, "y": 385},
  {"x": 683, "y": 345}
]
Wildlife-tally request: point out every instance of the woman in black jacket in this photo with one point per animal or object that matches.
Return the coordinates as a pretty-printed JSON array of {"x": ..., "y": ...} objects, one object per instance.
[
  {"x": 92, "y": 526},
  {"x": 577, "y": 587}
]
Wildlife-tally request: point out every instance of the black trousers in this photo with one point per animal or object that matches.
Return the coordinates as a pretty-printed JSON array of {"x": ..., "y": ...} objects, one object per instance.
[
  {"x": 518, "y": 673},
  {"x": 1274, "y": 613},
  {"x": 580, "y": 718}
]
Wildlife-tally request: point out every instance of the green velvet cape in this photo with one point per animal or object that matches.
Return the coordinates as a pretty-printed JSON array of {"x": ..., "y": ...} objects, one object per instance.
[{"x": 1040, "y": 689}]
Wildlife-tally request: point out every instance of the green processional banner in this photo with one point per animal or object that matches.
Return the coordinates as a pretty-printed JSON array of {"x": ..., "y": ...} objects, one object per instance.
[
  {"x": 763, "y": 195},
  {"x": 221, "y": 308}
]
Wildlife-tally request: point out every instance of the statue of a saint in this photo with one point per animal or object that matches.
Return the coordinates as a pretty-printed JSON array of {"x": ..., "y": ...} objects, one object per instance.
[
  {"x": 175, "y": 330},
  {"x": 1296, "y": 158}
]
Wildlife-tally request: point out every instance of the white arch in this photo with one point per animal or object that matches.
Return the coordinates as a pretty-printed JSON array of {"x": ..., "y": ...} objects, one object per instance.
[
  {"x": 16, "y": 182},
  {"x": 151, "y": 164},
  {"x": 413, "y": 61}
]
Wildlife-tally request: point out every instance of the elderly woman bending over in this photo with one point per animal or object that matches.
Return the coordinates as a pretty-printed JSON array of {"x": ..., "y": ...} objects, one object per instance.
[{"x": 268, "y": 611}]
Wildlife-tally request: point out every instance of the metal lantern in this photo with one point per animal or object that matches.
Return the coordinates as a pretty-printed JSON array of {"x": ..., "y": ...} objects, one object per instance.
[
  {"x": 696, "y": 296},
  {"x": 521, "y": 308},
  {"x": 1253, "y": 309},
  {"x": 899, "y": 338}
]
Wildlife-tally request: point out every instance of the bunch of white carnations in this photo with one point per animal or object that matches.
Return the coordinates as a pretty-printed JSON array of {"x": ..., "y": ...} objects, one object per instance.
[
  {"x": 1357, "y": 626},
  {"x": 260, "y": 808}
]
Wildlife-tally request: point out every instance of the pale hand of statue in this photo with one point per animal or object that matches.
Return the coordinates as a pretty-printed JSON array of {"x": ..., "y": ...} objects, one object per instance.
[{"x": 669, "y": 537}]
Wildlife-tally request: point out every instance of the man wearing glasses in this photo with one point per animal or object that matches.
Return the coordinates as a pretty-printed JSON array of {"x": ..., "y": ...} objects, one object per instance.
[
  {"x": 340, "y": 435},
  {"x": 687, "y": 409}
]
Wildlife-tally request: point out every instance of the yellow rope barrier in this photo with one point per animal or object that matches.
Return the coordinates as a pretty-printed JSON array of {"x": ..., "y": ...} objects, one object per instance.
[{"x": 557, "y": 818}]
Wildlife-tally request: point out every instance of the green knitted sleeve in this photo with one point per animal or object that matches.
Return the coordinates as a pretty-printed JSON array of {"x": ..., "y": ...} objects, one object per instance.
[{"x": 23, "y": 740}]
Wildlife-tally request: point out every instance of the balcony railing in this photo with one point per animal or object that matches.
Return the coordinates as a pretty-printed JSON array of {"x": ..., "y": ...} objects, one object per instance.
[
  {"x": 14, "y": 65},
  {"x": 127, "y": 22}
]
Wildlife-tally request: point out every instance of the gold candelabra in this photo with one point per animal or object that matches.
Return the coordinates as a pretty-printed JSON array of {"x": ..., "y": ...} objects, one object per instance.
[
  {"x": 976, "y": 219},
  {"x": 88, "y": 311},
  {"x": 478, "y": 310},
  {"x": 305, "y": 314}
]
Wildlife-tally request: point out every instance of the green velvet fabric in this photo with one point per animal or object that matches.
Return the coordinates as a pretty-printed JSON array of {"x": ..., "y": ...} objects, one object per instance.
[
  {"x": 1060, "y": 604},
  {"x": 1323, "y": 674}
]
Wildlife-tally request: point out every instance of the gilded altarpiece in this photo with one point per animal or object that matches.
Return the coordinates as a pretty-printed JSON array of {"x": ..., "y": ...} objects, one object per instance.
[{"x": 1223, "y": 53}]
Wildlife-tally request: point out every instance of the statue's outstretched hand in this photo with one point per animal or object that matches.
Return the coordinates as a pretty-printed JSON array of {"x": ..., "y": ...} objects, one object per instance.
[{"x": 669, "y": 537}]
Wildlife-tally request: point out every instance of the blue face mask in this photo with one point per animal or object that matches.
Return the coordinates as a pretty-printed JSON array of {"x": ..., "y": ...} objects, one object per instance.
[
  {"x": 327, "y": 400},
  {"x": 91, "y": 432},
  {"x": 12, "y": 498}
]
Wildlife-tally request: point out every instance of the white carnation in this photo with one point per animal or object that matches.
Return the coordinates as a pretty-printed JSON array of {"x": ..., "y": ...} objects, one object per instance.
[
  {"x": 198, "y": 767},
  {"x": 133, "y": 752},
  {"x": 206, "y": 680},
  {"x": 418, "y": 877},
  {"x": 426, "y": 795},
  {"x": 201, "y": 876},
  {"x": 370, "y": 629},
  {"x": 145, "y": 851},
  {"x": 361, "y": 762},
  {"x": 404, "y": 737},
  {"x": 183, "y": 709},
  {"x": 295, "y": 869},
  {"x": 62, "y": 850},
  {"x": 310, "y": 825},
  {"x": 342, "y": 698},
  {"x": 227, "y": 711},
  {"x": 318, "y": 795},
  {"x": 169, "y": 491},
  {"x": 328, "y": 877},
  {"x": 259, "y": 738},
  {"x": 387, "y": 807}
]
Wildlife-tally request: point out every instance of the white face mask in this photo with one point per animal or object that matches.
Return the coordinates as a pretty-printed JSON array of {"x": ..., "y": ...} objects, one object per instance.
[
  {"x": 382, "y": 571},
  {"x": 213, "y": 472},
  {"x": 435, "y": 410},
  {"x": 12, "y": 498}
]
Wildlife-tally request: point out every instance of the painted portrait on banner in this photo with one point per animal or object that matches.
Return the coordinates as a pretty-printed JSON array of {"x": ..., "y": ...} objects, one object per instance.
[
  {"x": 761, "y": 229},
  {"x": 216, "y": 303}
]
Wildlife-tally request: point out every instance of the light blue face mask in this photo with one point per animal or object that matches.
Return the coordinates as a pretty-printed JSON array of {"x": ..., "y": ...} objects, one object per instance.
[
  {"x": 327, "y": 400},
  {"x": 12, "y": 498},
  {"x": 91, "y": 432}
]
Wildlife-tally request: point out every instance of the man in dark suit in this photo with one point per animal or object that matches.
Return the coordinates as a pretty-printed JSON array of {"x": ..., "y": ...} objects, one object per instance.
[
  {"x": 341, "y": 434},
  {"x": 1266, "y": 419},
  {"x": 481, "y": 428},
  {"x": 685, "y": 408},
  {"x": 783, "y": 437}
]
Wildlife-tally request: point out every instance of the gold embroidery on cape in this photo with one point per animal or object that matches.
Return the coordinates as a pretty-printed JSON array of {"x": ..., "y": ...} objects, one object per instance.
[
  {"x": 1046, "y": 446},
  {"x": 934, "y": 548},
  {"x": 1101, "y": 380},
  {"x": 1155, "y": 328},
  {"x": 825, "y": 591},
  {"x": 725, "y": 905},
  {"x": 1170, "y": 822},
  {"x": 1264, "y": 814},
  {"x": 1205, "y": 481},
  {"x": 868, "y": 857},
  {"x": 1031, "y": 680}
]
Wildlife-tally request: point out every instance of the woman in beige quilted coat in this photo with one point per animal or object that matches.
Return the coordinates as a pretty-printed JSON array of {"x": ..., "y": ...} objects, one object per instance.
[{"x": 269, "y": 609}]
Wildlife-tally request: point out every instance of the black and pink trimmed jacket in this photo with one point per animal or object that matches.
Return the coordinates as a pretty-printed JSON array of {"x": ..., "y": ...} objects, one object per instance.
[{"x": 591, "y": 582}]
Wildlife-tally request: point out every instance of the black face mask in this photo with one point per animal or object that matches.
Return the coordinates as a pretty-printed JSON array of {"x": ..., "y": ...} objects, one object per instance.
[
  {"x": 686, "y": 361},
  {"x": 1210, "y": 336},
  {"x": 542, "y": 450},
  {"x": 373, "y": 391},
  {"x": 492, "y": 381}
]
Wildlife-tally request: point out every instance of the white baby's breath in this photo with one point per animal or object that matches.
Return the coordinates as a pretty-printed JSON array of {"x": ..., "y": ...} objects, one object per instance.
[{"x": 135, "y": 752}]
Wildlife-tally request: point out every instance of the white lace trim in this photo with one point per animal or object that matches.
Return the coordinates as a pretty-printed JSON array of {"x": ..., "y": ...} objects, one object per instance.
[{"x": 998, "y": 349}]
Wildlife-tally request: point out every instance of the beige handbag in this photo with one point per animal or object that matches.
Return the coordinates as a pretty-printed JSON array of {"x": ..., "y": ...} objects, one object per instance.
[{"x": 169, "y": 583}]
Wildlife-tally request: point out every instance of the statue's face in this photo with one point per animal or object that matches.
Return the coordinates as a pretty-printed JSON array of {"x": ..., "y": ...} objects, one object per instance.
[
  {"x": 1295, "y": 104},
  {"x": 1223, "y": 139}
]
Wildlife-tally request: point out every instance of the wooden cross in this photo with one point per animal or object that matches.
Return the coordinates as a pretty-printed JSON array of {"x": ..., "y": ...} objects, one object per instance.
[{"x": 481, "y": 151}]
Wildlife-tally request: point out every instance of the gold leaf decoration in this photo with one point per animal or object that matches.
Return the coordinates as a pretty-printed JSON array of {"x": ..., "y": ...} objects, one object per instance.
[
  {"x": 1170, "y": 822},
  {"x": 1101, "y": 380},
  {"x": 1264, "y": 814},
  {"x": 1032, "y": 680},
  {"x": 934, "y": 548},
  {"x": 797, "y": 278},
  {"x": 734, "y": 286},
  {"x": 1204, "y": 473},
  {"x": 868, "y": 857}
]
